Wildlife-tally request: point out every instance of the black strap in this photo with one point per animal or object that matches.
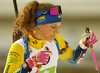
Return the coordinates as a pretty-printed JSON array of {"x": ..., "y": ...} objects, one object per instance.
[{"x": 27, "y": 68}]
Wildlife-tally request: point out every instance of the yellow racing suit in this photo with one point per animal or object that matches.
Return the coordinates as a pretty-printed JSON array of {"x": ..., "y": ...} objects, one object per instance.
[{"x": 25, "y": 48}]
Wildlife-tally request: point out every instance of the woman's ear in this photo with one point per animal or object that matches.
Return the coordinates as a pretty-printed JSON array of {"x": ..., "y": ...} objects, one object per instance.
[{"x": 33, "y": 30}]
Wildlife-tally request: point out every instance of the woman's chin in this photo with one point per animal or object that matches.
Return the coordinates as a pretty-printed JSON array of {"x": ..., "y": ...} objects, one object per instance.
[{"x": 51, "y": 39}]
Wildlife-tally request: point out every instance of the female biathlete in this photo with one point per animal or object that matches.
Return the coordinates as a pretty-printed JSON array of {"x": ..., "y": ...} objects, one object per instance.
[{"x": 38, "y": 50}]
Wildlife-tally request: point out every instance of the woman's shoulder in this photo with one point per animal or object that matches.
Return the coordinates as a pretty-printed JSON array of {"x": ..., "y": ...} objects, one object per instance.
[
  {"x": 17, "y": 46},
  {"x": 58, "y": 37},
  {"x": 60, "y": 41},
  {"x": 17, "y": 49},
  {"x": 19, "y": 42}
]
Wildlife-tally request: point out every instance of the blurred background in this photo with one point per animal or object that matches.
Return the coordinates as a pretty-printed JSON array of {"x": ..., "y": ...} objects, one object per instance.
[{"x": 77, "y": 14}]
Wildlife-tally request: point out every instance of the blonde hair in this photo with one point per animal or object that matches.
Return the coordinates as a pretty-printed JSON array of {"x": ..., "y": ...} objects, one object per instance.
[{"x": 26, "y": 20}]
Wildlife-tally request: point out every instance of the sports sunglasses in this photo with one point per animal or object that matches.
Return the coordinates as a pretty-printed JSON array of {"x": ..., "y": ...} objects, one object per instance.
[{"x": 52, "y": 11}]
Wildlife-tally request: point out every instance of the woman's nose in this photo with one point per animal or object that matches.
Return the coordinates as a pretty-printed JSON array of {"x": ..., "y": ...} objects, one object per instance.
[{"x": 57, "y": 31}]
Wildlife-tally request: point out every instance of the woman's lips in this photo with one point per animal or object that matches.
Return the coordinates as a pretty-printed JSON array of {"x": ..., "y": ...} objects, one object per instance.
[{"x": 53, "y": 36}]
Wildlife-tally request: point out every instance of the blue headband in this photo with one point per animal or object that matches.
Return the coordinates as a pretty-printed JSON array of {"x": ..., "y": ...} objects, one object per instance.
[{"x": 47, "y": 18}]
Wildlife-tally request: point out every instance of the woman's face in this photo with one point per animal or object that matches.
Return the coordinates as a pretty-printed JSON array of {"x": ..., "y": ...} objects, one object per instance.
[{"x": 48, "y": 31}]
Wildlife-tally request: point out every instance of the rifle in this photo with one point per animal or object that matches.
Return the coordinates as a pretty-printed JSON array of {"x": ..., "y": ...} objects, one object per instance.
[{"x": 17, "y": 33}]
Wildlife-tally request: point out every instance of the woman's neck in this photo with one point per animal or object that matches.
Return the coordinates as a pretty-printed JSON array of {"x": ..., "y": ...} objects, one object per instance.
[{"x": 37, "y": 36}]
